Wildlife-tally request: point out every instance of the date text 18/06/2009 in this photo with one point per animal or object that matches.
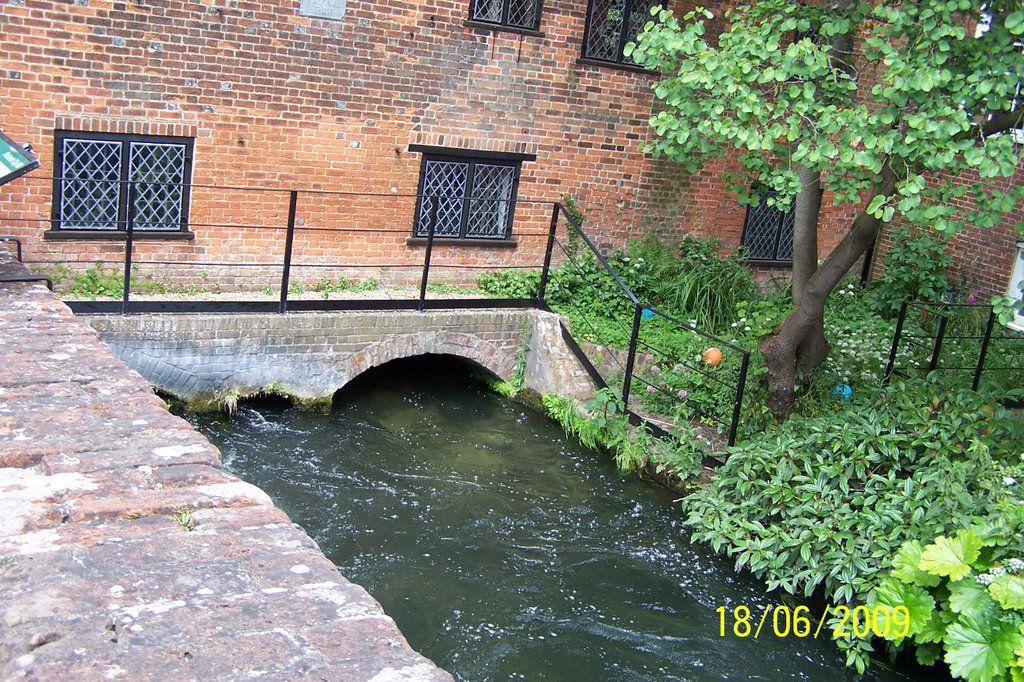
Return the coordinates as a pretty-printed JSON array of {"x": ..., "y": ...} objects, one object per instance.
[{"x": 838, "y": 622}]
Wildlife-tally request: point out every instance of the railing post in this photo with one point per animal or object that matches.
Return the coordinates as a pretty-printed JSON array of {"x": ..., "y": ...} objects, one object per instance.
[
  {"x": 984, "y": 348},
  {"x": 734, "y": 426},
  {"x": 634, "y": 337},
  {"x": 426, "y": 254},
  {"x": 895, "y": 343},
  {"x": 543, "y": 288},
  {"x": 939, "y": 335},
  {"x": 17, "y": 244},
  {"x": 293, "y": 200},
  {"x": 129, "y": 231}
]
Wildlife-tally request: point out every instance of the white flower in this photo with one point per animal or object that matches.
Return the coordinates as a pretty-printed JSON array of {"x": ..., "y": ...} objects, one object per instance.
[
  {"x": 746, "y": 329},
  {"x": 1009, "y": 480},
  {"x": 734, "y": 324}
]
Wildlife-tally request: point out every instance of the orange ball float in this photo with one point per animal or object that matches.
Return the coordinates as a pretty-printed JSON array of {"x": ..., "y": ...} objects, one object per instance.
[{"x": 712, "y": 356}]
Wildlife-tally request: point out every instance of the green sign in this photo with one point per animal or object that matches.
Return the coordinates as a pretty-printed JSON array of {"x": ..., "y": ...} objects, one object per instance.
[{"x": 14, "y": 160}]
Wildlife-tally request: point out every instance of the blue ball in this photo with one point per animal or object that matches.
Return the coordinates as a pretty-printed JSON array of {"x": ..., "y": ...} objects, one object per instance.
[
  {"x": 647, "y": 314},
  {"x": 843, "y": 392}
]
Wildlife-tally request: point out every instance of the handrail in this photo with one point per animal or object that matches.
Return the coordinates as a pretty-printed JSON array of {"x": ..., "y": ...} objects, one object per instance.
[
  {"x": 639, "y": 309},
  {"x": 17, "y": 243},
  {"x": 933, "y": 342},
  {"x": 578, "y": 227},
  {"x": 28, "y": 278}
]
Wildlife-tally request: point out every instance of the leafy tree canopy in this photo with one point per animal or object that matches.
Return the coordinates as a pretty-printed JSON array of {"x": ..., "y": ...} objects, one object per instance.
[{"x": 923, "y": 92}]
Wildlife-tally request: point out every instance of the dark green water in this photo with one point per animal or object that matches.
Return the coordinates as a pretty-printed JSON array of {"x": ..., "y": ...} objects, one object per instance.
[{"x": 503, "y": 550}]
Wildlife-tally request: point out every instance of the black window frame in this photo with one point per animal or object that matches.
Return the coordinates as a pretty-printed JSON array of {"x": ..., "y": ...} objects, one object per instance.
[
  {"x": 504, "y": 22},
  {"x": 781, "y": 221},
  {"x": 624, "y": 34},
  {"x": 473, "y": 159},
  {"x": 58, "y": 230}
]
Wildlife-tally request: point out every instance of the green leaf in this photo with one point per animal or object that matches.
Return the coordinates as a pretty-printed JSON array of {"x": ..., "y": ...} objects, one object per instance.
[
  {"x": 891, "y": 593},
  {"x": 980, "y": 650},
  {"x": 905, "y": 566},
  {"x": 927, "y": 653},
  {"x": 1015, "y": 23},
  {"x": 934, "y": 630},
  {"x": 951, "y": 556},
  {"x": 875, "y": 207},
  {"x": 1008, "y": 591},
  {"x": 969, "y": 598}
]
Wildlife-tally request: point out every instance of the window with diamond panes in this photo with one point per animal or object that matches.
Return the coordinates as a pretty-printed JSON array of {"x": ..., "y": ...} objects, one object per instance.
[
  {"x": 523, "y": 14},
  {"x": 95, "y": 174},
  {"x": 768, "y": 232},
  {"x": 613, "y": 23},
  {"x": 466, "y": 198}
]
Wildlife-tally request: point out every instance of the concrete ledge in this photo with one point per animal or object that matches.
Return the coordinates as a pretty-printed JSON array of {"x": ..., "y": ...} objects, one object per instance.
[{"x": 127, "y": 552}]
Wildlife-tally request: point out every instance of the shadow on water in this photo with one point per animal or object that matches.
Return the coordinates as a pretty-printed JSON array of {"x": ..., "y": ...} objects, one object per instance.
[{"x": 503, "y": 550}]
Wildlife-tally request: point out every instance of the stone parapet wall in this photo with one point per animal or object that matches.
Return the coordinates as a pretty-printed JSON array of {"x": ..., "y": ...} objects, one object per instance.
[{"x": 127, "y": 552}]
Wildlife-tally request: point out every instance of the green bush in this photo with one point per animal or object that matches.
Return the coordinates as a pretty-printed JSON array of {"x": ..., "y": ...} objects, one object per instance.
[
  {"x": 510, "y": 283},
  {"x": 694, "y": 284},
  {"x": 960, "y": 598},
  {"x": 604, "y": 426},
  {"x": 915, "y": 268},
  {"x": 827, "y": 501},
  {"x": 96, "y": 281}
]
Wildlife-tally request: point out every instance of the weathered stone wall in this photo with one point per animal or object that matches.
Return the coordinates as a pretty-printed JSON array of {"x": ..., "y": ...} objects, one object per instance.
[
  {"x": 209, "y": 360},
  {"x": 128, "y": 553}
]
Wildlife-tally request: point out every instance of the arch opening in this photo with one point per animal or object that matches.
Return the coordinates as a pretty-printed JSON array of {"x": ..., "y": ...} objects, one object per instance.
[{"x": 445, "y": 369}]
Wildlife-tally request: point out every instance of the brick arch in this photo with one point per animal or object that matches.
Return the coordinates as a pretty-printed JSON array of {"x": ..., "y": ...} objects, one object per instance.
[{"x": 495, "y": 360}]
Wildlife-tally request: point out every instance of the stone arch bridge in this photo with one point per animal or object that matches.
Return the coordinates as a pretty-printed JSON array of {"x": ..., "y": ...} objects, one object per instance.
[{"x": 212, "y": 360}]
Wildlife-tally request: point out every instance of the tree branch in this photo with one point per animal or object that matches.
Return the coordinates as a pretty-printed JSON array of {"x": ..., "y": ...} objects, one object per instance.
[{"x": 1002, "y": 122}]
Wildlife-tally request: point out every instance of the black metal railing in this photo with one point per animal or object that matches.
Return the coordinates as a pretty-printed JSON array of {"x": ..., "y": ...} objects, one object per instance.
[
  {"x": 968, "y": 334},
  {"x": 312, "y": 216},
  {"x": 22, "y": 279},
  {"x": 644, "y": 327},
  {"x": 547, "y": 239}
]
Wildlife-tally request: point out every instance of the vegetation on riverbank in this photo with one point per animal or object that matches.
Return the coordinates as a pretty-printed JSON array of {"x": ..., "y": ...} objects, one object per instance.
[{"x": 905, "y": 495}]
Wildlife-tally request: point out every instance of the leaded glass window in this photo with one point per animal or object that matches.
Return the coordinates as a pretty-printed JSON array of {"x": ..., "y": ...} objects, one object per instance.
[
  {"x": 512, "y": 13},
  {"x": 613, "y": 23},
  {"x": 768, "y": 232},
  {"x": 96, "y": 174},
  {"x": 466, "y": 198}
]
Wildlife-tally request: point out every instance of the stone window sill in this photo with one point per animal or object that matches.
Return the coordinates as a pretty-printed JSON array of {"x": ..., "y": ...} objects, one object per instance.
[
  {"x": 119, "y": 235},
  {"x": 447, "y": 241},
  {"x": 469, "y": 23}
]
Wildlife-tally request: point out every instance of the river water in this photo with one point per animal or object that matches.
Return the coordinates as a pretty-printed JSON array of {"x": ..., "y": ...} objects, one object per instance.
[{"x": 504, "y": 550}]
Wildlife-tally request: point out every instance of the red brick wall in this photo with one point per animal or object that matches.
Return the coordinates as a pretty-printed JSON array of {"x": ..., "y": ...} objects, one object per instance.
[
  {"x": 982, "y": 258},
  {"x": 280, "y": 101},
  {"x": 277, "y": 100}
]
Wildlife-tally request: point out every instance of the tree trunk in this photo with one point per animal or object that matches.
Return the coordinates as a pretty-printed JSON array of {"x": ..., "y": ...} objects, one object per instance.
[
  {"x": 799, "y": 345},
  {"x": 805, "y": 230}
]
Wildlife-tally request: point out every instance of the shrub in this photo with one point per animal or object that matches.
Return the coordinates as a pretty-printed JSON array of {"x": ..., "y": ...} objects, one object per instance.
[
  {"x": 828, "y": 500},
  {"x": 963, "y": 598},
  {"x": 915, "y": 268},
  {"x": 696, "y": 283},
  {"x": 510, "y": 283}
]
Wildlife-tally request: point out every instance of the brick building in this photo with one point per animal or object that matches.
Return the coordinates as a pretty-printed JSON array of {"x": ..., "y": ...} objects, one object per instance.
[{"x": 178, "y": 108}]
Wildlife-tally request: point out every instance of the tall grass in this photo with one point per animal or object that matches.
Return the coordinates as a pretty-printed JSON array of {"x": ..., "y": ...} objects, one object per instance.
[{"x": 694, "y": 283}]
